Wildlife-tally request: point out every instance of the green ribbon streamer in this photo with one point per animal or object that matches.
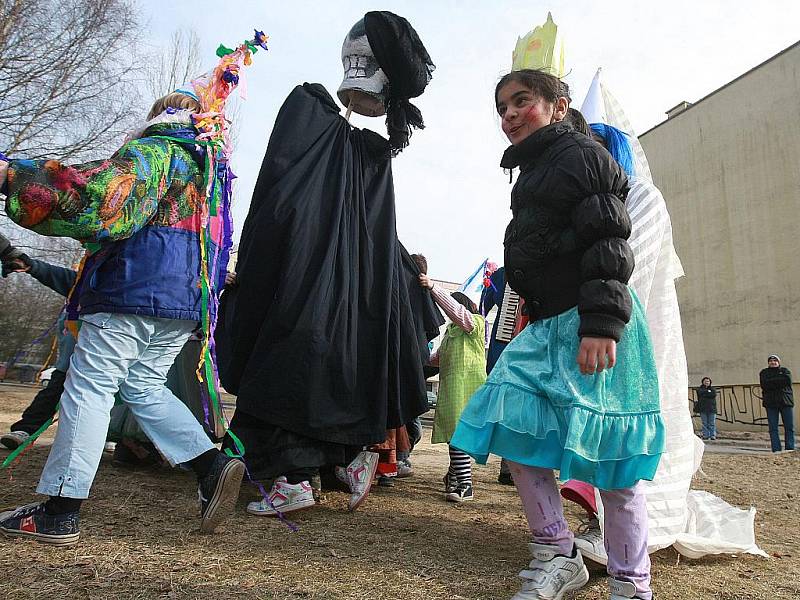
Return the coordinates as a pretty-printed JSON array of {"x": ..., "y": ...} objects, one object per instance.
[{"x": 21, "y": 448}]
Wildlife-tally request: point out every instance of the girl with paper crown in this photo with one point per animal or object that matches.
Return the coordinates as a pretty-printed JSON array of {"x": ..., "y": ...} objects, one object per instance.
[{"x": 577, "y": 390}]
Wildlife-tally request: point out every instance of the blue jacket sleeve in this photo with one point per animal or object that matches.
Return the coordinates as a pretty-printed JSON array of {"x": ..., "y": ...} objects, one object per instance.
[{"x": 58, "y": 279}]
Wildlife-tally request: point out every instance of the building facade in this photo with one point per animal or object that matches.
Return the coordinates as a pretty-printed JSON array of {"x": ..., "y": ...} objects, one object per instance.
[{"x": 729, "y": 168}]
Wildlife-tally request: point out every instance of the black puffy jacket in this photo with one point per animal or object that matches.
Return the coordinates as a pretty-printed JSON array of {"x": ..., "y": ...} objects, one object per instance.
[
  {"x": 776, "y": 387},
  {"x": 706, "y": 399},
  {"x": 566, "y": 244}
]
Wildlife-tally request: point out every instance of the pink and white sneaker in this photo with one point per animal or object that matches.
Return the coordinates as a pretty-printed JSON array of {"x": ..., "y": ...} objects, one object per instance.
[
  {"x": 285, "y": 497},
  {"x": 359, "y": 476}
]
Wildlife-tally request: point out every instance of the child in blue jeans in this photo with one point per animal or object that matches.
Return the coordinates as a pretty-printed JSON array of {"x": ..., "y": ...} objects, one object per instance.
[{"x": 139, "y": 301}]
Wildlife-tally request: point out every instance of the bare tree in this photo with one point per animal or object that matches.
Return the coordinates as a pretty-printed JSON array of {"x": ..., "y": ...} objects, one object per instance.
[
  {"x": 68, "y": 73},
  {"x": 175, "y": 65},
  {"x": 27, "y": 310}
]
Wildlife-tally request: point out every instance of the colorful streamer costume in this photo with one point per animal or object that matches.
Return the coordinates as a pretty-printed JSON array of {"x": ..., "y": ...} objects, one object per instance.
[{"x": 158, "y": 215}]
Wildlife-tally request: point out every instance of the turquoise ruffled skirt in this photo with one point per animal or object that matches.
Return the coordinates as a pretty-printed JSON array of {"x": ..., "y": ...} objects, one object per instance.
[{"x": 537, "y": 409}]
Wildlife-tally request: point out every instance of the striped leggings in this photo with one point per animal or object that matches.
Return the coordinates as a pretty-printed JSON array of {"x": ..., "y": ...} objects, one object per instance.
[{"x": 460, "y": 466}]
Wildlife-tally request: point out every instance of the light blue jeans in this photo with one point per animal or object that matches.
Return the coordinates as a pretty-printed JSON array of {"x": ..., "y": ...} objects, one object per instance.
[
  {"x": 709, "y": 422},
  {"x": 130, "y": 354}
]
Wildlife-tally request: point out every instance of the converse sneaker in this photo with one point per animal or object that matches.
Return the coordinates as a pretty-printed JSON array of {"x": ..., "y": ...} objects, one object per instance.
[
  {"x": 359, "y": 476},
  {"x": 14, "y": 439},
  {"x": 218, "y": 491},
  {"x": 450, "y": 483},
  {"x": 551, "y": 576},
  {"x": 461, "y": 493},
  {"x": 284, "y": 497},
  {"x": 622, "y": 590},
  {"x": 589, "y": 541},
  {"x": 31, "y": 521}
]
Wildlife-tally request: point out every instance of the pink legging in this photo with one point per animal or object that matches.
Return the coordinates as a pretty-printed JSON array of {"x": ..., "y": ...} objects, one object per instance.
[{"x": 625, "y": 520}]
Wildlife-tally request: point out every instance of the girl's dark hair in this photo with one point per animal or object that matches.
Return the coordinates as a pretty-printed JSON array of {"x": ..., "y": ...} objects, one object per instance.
[
  {"x": 579, "y": 124},
  {"x": 422, "y": 263},
  {"x": 542, "y": 84},
  {"x": 704, "y": 378},
  {"x": 464, "y": 301}
]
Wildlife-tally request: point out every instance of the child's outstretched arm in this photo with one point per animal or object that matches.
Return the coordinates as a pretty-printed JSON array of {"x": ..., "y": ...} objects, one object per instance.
[
  {"x": 455, "y": 312},
  {"x": 106, "y": 200}
]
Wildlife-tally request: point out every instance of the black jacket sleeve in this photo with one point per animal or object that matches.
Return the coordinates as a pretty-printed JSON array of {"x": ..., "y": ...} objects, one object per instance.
[
  {"x": 775, "y": 379},
  {"x": 602, "y": 227},
  {"x": 58, "y": 279}
]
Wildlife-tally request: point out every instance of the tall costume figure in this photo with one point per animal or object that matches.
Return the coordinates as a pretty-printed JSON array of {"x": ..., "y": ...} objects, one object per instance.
[
  {"x": 694, "y": 522},
  {"x": 326, "y": 344}
]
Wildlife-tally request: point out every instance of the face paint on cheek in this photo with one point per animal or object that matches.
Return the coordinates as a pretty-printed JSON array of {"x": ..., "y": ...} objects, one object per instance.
[{"x": 526, "y": 114}]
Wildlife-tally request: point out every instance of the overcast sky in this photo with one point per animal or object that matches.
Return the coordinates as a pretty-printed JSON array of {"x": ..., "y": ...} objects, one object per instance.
[{"x": 452, "y": 197}]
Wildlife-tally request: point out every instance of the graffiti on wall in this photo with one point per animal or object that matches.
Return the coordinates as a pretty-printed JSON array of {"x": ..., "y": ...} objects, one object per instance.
[{"x": 738, "y": 404}]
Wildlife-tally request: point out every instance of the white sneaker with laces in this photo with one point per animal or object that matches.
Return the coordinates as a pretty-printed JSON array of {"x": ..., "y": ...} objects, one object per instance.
[
  {"x": 621, "y": 590},
  {"x": 285, "y": 497},
  {"x": 589, "y": 541},
  {"x": 551, "y": 576},
  {"x": 359, "y": 476},
  {"x": 14, "y": 439}
]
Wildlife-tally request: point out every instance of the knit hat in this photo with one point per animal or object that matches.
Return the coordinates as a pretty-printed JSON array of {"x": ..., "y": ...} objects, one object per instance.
[{"x": 775, "y": 356}]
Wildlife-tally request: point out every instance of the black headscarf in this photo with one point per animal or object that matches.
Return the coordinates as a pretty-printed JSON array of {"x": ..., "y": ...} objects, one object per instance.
[{"x": 408, "y": 67}]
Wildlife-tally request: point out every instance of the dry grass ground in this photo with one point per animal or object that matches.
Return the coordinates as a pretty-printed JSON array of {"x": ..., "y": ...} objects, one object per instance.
[{"x": 140, "y": 540}]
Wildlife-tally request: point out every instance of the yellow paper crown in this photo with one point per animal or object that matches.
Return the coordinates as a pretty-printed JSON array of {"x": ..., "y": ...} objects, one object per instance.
[{"x": 537, "y": 50}]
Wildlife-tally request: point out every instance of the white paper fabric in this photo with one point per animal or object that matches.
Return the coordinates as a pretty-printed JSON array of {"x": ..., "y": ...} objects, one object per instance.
[{"x": 696, "y": 523}]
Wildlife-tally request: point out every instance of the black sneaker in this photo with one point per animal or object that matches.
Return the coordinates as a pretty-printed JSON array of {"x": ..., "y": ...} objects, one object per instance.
[
  {"x": 218, "y": 491},
  {"x": 140, "y": 456},
  {"x": 31, "y": 521},
  {"x": 385, "y": 481},
  {"x": 462, "y": 493}
]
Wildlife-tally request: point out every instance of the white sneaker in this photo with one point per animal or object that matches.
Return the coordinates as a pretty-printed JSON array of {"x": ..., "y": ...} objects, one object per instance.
[
  {"x": 14, "y": 439},
  {"x": 404, "y": 469},
  {"x": 551, "y": 576},
  {"x": 284, "y": 497},
  {"x": 359, "y": 476},
  {"x": 621, "y": 590},
  {"x": 589, "y": 541}
]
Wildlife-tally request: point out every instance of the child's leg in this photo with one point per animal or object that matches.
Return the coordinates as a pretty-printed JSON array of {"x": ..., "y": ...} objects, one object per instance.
[
  {"x": 460, "y": 466},
  {"x": 625, "y": 515},
  {"x": 539, "y": 493}
]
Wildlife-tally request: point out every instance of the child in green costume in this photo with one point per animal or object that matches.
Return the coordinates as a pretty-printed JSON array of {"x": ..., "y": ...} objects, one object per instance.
[{"x": 462, "y": 369}]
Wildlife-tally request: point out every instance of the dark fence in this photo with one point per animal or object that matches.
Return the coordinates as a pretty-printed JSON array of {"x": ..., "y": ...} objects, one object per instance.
[{"x": 739, "y": 404}]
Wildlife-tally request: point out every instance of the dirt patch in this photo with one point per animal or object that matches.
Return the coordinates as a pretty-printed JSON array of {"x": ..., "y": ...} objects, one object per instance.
[{"x": 140, "y": 539}]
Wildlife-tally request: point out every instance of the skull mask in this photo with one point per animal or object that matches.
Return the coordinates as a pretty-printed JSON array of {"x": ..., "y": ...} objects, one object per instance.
[{"x": 364, "y": 80}]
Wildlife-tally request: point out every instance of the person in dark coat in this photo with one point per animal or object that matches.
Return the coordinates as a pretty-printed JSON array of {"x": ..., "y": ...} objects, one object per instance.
[
  {"x": 706, "y": 407},
  {"x": 326, "y": 346},
  {"x": 490, "y": 297},
  {"x": 778, "y": 399}
]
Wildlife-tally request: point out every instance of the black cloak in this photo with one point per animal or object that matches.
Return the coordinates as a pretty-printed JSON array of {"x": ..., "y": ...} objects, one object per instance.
[{"x": 327, "y": 336}]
